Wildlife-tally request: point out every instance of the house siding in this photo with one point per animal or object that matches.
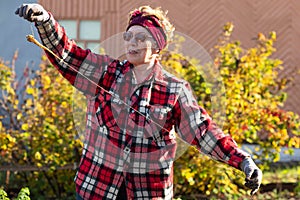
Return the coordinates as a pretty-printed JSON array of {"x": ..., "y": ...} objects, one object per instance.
[{"x": 203, "y": 20}]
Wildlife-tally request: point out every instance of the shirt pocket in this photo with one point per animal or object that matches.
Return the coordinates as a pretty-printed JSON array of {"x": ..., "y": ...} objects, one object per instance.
[
  {"x": 104, "y": 113},
  {"x": 117, "y": 106},
  {"x": 119, "y": 111},
  {"x": 157, "y": 118}
]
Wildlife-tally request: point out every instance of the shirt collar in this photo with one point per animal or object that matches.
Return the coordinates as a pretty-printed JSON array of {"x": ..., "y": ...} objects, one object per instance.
[{"x": 156, "y": 74}]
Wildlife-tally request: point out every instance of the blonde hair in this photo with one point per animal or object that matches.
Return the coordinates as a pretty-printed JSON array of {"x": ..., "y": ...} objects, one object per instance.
[{"x": 161, "y": 16}]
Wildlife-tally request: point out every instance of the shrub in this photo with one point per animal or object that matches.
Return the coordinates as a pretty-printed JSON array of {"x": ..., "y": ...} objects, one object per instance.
[
  {"x": 37, "y": 130},
  {"x": 253, "y": 96},
  {"x": 23, "y": 194}
]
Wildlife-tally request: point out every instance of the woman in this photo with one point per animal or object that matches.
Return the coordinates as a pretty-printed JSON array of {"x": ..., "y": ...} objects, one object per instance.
[{"x": 134, "y": 108}]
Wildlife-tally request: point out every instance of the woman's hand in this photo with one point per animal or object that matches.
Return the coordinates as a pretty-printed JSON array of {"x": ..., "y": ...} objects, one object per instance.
[
  {"x": 253, "y": 174},
  {"x": 33, "y": 13}
]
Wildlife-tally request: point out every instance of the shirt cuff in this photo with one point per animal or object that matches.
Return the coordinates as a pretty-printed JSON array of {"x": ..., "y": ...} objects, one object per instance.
[
  {"x": 44, "y": 27},
  {"x": 237, "y": 158}
]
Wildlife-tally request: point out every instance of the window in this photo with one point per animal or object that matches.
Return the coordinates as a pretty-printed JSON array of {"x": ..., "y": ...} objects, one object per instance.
[
  {"x": 70, "y": 27},
  {"x": 86, "y": 33},
  {"x": 89, "y": 30}
]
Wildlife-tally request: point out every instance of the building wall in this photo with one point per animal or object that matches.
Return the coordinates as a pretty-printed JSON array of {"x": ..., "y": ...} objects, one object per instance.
[{"x": 203, "y": 20}]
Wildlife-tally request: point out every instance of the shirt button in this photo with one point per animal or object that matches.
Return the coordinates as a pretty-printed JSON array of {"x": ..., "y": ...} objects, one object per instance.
[{"x": 127, "y": 149}]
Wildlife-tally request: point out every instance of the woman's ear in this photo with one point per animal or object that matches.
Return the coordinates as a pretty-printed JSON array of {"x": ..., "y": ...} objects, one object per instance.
[
  {"x": 155, "y": 51},
  {"x": 155, "y": 48}
]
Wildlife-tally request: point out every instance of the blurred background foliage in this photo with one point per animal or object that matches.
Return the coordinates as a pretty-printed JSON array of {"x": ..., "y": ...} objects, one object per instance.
[
  {"x": 37, "y": 129},
  {"x": 253, "y": 95},
  {"x": 241, "y": 89}
]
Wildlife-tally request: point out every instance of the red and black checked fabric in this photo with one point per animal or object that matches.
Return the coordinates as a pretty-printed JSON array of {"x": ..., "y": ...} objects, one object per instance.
[{"x": 133, "y": 144}]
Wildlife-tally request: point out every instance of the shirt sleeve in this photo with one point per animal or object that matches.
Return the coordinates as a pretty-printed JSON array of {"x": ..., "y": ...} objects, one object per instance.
[
  {"x": 90, "y": 66},
  {"x": 197, "y": 128}
]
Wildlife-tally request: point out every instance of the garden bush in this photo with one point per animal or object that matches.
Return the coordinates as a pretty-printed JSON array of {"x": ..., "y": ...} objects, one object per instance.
[
  {"x": 37, "y": 130},
  {"x": 253, "y": 96}
]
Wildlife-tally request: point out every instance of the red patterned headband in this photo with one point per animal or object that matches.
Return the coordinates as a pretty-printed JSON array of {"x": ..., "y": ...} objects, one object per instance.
[{"x": 152, "y": 24}]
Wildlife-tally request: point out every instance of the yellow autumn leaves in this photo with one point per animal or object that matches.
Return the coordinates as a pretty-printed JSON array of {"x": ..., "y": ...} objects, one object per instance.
[
  {"x": 253, "y": 96},
  {"x": 42, "y": 131}
]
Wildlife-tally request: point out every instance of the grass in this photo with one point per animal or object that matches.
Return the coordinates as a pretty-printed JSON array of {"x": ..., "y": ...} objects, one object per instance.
[{"x": 282, "y": 175}]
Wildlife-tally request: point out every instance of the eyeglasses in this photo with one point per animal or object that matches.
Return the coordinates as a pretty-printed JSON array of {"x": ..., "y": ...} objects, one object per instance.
[{"x": 140, "y": 37}]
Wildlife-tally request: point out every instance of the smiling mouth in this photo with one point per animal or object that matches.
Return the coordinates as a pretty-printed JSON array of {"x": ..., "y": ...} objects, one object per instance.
[{"x": 133, "y": 52}]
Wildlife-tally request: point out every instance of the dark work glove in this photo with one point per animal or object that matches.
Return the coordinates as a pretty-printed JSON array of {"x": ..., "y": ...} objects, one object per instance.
[
  {"x": 253, "y": 174},
  {"x": 33, "y": 13}
]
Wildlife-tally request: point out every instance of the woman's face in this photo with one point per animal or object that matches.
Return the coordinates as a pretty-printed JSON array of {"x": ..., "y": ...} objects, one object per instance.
[{"x": 139, "y": 45}]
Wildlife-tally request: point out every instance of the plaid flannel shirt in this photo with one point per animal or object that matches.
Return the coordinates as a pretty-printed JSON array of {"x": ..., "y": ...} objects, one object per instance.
[{"x": 134, "y": 144}]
